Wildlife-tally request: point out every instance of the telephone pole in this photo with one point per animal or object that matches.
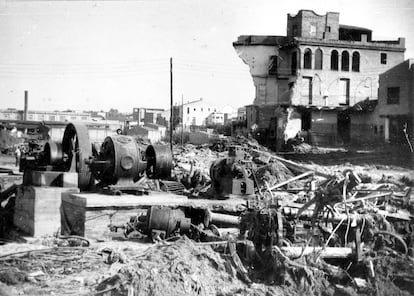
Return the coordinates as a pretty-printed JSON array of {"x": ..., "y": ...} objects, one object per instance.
[
  {"x": 182, "y": 119},
  {"x": 171, "y": 104}
]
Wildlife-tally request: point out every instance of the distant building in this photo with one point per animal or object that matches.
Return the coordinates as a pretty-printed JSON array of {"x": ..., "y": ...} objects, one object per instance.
[
  {"x": 193, "y": 113},
  {"x": 161, "y": 128},
  {"x": 215, "y": 118},
  {"x": 319, "y": 69},
  {"x": 11, "y": 113},
  {"x": 145, "y": 132},
  {"x": 396, "y": 102},
  {"x": 33, "y": 115},
  {"x": 241, "y": 113},
  {"x": 148, "y": 115}
]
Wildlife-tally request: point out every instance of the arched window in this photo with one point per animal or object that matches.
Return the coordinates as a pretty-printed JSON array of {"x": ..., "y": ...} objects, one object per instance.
[
  {"x": 355, "y": 61},
  {"x": 345, "y": 61},
  {"x": 307, "y": 59},
  {"x": 318, "y": 59},
  {"x": 334, "y": 60},
  {"x": 294, "y": 63}
]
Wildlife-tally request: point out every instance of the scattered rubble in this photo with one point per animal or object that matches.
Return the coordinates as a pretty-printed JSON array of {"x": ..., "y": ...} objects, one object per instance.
[{"x": 305, "y": 229}]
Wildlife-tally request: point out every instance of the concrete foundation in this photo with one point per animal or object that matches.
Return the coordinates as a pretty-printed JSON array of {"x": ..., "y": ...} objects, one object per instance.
[{"x": 37, "y": 209}]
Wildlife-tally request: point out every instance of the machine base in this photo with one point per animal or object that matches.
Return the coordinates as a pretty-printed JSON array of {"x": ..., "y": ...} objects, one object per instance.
[{"x": 37, "y": 209}]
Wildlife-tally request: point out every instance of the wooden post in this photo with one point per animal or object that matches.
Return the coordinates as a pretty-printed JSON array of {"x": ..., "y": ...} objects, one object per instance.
[{"x": 171, "y": 105}]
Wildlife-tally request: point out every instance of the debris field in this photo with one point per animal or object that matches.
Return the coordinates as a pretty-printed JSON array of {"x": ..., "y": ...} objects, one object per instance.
[{"x": 299, "y": 228}]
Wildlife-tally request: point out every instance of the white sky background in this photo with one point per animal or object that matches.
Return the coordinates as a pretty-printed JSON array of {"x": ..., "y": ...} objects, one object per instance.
[{"x": 96, "y": 55}]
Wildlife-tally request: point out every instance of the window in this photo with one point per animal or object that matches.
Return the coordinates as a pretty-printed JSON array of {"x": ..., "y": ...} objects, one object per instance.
[
  {"x": 345, "y": 61},
  {"x": 328, "y": 29},
  {"x": 344, "y": 91},
  {"x": 355, "y": 61},
  {"x": 306, "y": 89},
  {"x": 194, "y": 109},
  {"x": 318, "y": 59},
  {"x": 294, "y": 30},
  {"x": 383, "y": 58},
  {"x": 312, "y": 30},
  {"x": 62, "y": 118},
  {"x": 273, "y": 65},
  {"x": 261, "y": 93},
  {"x": 52, "y": 117},
  {"x": 188, "y": 110},
  {"x": 294, "y": 63},
  {"x": 73, "y": 117},
  {"x": 393, "y": 95},
  {"x": 84, "y": 118},
  {"x": 307, "y": 59},
  {"x": 30, "y": 117},
  {"x": 334, "y": 60}
]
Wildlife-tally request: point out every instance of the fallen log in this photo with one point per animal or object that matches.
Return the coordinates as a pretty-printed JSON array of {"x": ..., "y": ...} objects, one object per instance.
[{"x": 328, "y": 252}]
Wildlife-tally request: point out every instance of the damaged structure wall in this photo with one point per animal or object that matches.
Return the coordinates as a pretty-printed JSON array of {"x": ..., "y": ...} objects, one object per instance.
[
  {"x": 396, "y": 101},
  {"x": 319, "y": 65}
]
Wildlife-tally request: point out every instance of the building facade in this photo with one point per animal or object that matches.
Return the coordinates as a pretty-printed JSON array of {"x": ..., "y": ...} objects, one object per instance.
[
  {"x": 396, "y": 102},
  {"x": 193, "y": 113},
  {"x": 320, "y": 68},
  {"x": 215, "y": 118},
  {"x": 14, "y": 114},
  {"x": 147, "y": 115}
]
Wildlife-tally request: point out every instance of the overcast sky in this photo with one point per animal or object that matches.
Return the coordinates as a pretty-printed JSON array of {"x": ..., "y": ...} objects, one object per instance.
[{"x": 96, "y": 55}]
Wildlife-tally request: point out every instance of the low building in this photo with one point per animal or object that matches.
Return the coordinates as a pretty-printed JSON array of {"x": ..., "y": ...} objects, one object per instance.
[
  {"x": 161, "y": 128},
  {"x": 36, "y": 115},
  {"x": 193, "y": 113},
  {"x": 147, "y": 115},
  {"x": 145, "y": 132},
  {"x": 215, "y": 118},
  {"x": 396, "y": 102},
  {"x": 11, "y": 114}
]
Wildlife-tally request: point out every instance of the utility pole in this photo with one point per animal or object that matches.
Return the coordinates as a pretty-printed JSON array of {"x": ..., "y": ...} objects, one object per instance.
[
  {"x": 171, "y": 105},
  {"x": 182, "y": 119}
]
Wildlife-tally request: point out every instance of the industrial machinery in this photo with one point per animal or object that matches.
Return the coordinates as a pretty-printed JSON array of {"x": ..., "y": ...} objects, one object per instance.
[
  {"x": 159, "y": 222},
  {"x": 229, "y": 176},
  {"x": 120, "y": 160}
]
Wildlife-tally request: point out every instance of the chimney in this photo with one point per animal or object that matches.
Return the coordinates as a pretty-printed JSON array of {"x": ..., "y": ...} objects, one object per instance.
[{"x": 26, "y": 102}]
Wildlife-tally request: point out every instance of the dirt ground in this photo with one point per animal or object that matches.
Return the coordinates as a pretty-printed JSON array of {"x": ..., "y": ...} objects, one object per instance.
[{"x": 51, "y": 266}]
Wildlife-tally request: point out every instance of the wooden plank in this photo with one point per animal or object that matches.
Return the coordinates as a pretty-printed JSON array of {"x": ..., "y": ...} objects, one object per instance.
[
  {"x": 97, "y": 200},
  {"x": 101, "y": 201},
  {"x": 299, "y": 168},
  {"x": 291, "y": 180}
]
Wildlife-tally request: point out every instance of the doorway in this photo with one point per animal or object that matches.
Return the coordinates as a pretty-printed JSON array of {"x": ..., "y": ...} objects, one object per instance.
[{"x": 344, "y": 127}]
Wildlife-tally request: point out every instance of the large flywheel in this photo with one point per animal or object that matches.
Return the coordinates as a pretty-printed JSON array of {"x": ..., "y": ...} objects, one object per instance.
[{"x": 76, "y": 146}]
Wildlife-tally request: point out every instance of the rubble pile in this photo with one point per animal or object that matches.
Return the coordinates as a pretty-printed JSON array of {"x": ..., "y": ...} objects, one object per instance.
[
  {"x": 181, "y": 268},
  {"x": 272, "y": 227}
]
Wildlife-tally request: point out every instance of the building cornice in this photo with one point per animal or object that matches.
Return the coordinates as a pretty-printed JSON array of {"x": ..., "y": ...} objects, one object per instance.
[{"x": 351, "y": 44}]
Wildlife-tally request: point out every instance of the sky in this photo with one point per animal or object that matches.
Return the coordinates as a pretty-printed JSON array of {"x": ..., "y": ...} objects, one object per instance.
[{"x": 97, "y": 55}]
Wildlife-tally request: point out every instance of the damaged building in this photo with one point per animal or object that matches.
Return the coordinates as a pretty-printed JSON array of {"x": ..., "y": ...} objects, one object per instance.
[{"x": 321, "y": 79}]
